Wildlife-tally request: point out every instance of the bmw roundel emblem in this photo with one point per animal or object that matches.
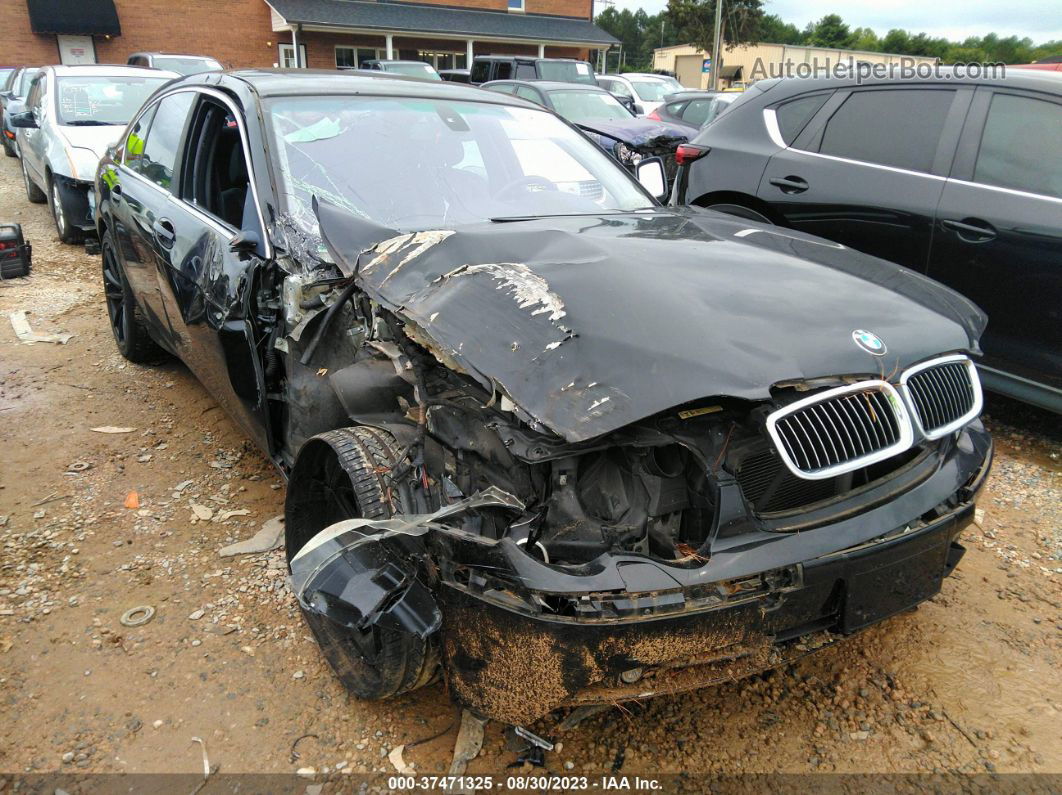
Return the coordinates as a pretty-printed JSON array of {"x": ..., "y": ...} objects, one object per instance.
[{"x": 869, "y": 342}]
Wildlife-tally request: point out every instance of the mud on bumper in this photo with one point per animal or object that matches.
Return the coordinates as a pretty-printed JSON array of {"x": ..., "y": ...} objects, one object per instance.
[{"x": 509, "y": 664}]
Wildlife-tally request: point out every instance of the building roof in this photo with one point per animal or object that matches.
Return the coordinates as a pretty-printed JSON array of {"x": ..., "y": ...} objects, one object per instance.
[
  {"x": 83, "y": 18},
  {"x": 410, "y": 18}
]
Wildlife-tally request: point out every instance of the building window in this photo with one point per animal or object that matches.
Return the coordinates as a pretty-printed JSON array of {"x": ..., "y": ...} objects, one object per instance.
[
  {"x": 442, "y": 60},
  {"x": 287, "y": 56},
  {"x": 346, "y": 58},
  {"x": 354, "y": 57},
  {"x": 516, "y": 5}
]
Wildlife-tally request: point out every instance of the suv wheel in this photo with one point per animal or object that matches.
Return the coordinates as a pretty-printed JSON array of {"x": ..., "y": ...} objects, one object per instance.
[{"x": 68, "y": 233}]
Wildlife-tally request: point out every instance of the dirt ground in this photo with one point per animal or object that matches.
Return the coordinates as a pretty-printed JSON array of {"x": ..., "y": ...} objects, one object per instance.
[{"x": 970, "y": 682}]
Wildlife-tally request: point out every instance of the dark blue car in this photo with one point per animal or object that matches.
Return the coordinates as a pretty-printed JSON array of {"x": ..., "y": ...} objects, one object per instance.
[{"x": 627, "y": 137}]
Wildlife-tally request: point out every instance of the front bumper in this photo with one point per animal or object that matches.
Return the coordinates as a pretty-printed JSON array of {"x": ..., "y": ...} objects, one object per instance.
[
  {"x": 625, "y": 627},
  {"x": 79, "y": 201}
]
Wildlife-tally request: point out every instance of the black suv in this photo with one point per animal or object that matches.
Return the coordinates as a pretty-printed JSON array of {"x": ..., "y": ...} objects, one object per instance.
[
  {"x": 518, "y": 67},
  {"x": 960, "y": 179}
]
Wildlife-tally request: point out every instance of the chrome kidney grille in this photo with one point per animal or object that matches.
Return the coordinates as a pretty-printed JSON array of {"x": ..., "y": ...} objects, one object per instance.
[
  {"x": 944, "y": 393},
  {"x": 841, "y": 429},
  {"x": 850, "y": 427}
]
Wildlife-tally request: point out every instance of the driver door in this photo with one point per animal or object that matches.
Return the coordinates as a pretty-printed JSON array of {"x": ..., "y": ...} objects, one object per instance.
[{"x": 207, "y": 275}]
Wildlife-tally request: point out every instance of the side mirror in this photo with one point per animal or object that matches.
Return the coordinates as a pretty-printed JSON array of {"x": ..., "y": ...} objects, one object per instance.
[
  {"x": 650, "y": 173},
  {"x": 245, "y": 241},
  {"x": 24, "y": 120},
  {"x": 638, "y": 110}
]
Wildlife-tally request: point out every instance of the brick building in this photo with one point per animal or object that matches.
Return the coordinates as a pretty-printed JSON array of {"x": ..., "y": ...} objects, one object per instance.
[{"x": 321, "y": 34}]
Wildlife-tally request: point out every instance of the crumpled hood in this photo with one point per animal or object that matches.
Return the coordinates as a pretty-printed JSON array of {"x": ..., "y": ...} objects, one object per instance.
[
  {"x": 592, "y": 323},
  {"x": 635, "y": 132}
]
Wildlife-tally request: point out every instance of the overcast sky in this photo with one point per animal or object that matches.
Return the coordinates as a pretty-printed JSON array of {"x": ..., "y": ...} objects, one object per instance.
[{"x": 1040, "y": 20}]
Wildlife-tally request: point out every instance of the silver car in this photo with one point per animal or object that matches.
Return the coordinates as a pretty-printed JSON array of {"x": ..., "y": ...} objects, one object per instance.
[{"x": 69, "y": 118}]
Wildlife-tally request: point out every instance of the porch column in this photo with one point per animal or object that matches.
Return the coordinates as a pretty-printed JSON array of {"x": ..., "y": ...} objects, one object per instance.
[
  {"x": 295, "y": 44},
  {"x": 468, "y": 54},
  {"x": 542, "y": 51},
  {"x": 390, "y": 46}
]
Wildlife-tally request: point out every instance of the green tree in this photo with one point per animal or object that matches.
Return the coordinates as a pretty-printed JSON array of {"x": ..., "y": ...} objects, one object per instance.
[
  {"x": 865, "y": 39},
  {"x": 896, "y": 41},
  {"x": 695, "y": 21},
  {"x": 830, "y": 31},
  {"x": 774, "y": 31}
]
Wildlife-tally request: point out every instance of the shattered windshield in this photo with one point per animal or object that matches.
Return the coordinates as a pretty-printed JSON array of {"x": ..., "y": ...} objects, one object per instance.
[
  {"x": 100, "y": 100},
  {"x": 410, "y": 163},
  {"x": 586, "y": 107}
]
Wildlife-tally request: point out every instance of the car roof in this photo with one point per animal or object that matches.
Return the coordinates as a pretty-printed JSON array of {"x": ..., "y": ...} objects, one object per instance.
[
  {"x": 384, "y": 60},
  {"x": 174, "y": 55},
  {"x": 1031, "y": 79},
  {"x": 523, "y": 58},
  {"x": 552, "y": 85},
  {"x": 327, "y": 82},
  {"x": 109, "y": 70},
  {"x": 691, "y": 93}
]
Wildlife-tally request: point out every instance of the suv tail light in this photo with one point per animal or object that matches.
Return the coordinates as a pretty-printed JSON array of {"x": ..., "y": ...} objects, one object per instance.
[
  {"x": 687, "y": 153},
  {"x": 654, "y": 115}
]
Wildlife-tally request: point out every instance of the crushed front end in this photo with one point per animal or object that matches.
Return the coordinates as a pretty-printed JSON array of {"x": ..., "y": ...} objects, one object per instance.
[{"x": 562, "y": 528}]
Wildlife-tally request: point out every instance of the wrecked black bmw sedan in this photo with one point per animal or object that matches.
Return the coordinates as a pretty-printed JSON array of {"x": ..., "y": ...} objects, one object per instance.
[{"x": 562, "y": 444}]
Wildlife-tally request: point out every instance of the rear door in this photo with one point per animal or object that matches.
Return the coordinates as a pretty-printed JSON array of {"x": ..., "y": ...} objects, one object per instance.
[
  {"x": 998, "y": 237},
  {"x": 868, "y": 169},
  {"x": 135, "y": 203}
]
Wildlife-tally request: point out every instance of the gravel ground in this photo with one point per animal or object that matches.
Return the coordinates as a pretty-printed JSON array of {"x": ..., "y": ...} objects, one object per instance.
[{"x": 93, "y": 524}]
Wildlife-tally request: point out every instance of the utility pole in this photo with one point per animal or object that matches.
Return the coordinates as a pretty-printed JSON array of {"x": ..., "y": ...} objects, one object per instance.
[{"x": 717, "y": 46}]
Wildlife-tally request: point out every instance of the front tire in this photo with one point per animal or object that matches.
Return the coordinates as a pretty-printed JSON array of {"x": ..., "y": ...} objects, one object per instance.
[
  {"x": 34, "y": 194},
  {"x": 9, "y": 148},
  {"x": 68, "y": 233},
  {"x": 127, "y": 322},
  {"x": 340, "y": 475}
]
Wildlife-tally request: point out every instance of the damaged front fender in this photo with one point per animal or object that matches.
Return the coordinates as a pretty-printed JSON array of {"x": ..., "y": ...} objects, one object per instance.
[{"x": 364, "y": 573}]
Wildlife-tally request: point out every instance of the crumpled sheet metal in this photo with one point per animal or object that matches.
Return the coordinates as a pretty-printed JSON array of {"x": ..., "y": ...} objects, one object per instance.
[
  {"x": 352, "y": 575},
  {"x": 589, "y": 324}
]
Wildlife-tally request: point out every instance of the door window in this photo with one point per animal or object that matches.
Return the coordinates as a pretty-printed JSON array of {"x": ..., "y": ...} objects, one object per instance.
[
  {"x": 480, "y": 72},
  {"x": 503, "y": 70},
  {"x": 1017, "y": 150},
  {"x": 133, "y": 146},
  {"x": 896, "y": 127},
  {"x": 287, "y": 56},
  {"x": 794, "y": 115},
  {"x": 526, "y": 92},
  {"x": 696, "y": 113},
  {"x": 525, "y": 71},
  {"x": 214, "y": 175},
  {"x": 164, "y": 135}
]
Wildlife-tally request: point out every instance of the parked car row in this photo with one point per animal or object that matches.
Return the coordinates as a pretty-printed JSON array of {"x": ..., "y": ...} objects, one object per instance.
[
  {"x": 662, "y": 446},
  {"x": 69, "y": 117}
]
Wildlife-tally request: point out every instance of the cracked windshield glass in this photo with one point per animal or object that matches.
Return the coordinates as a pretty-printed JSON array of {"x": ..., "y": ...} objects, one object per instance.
[{"x": 407, "y": 163}]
